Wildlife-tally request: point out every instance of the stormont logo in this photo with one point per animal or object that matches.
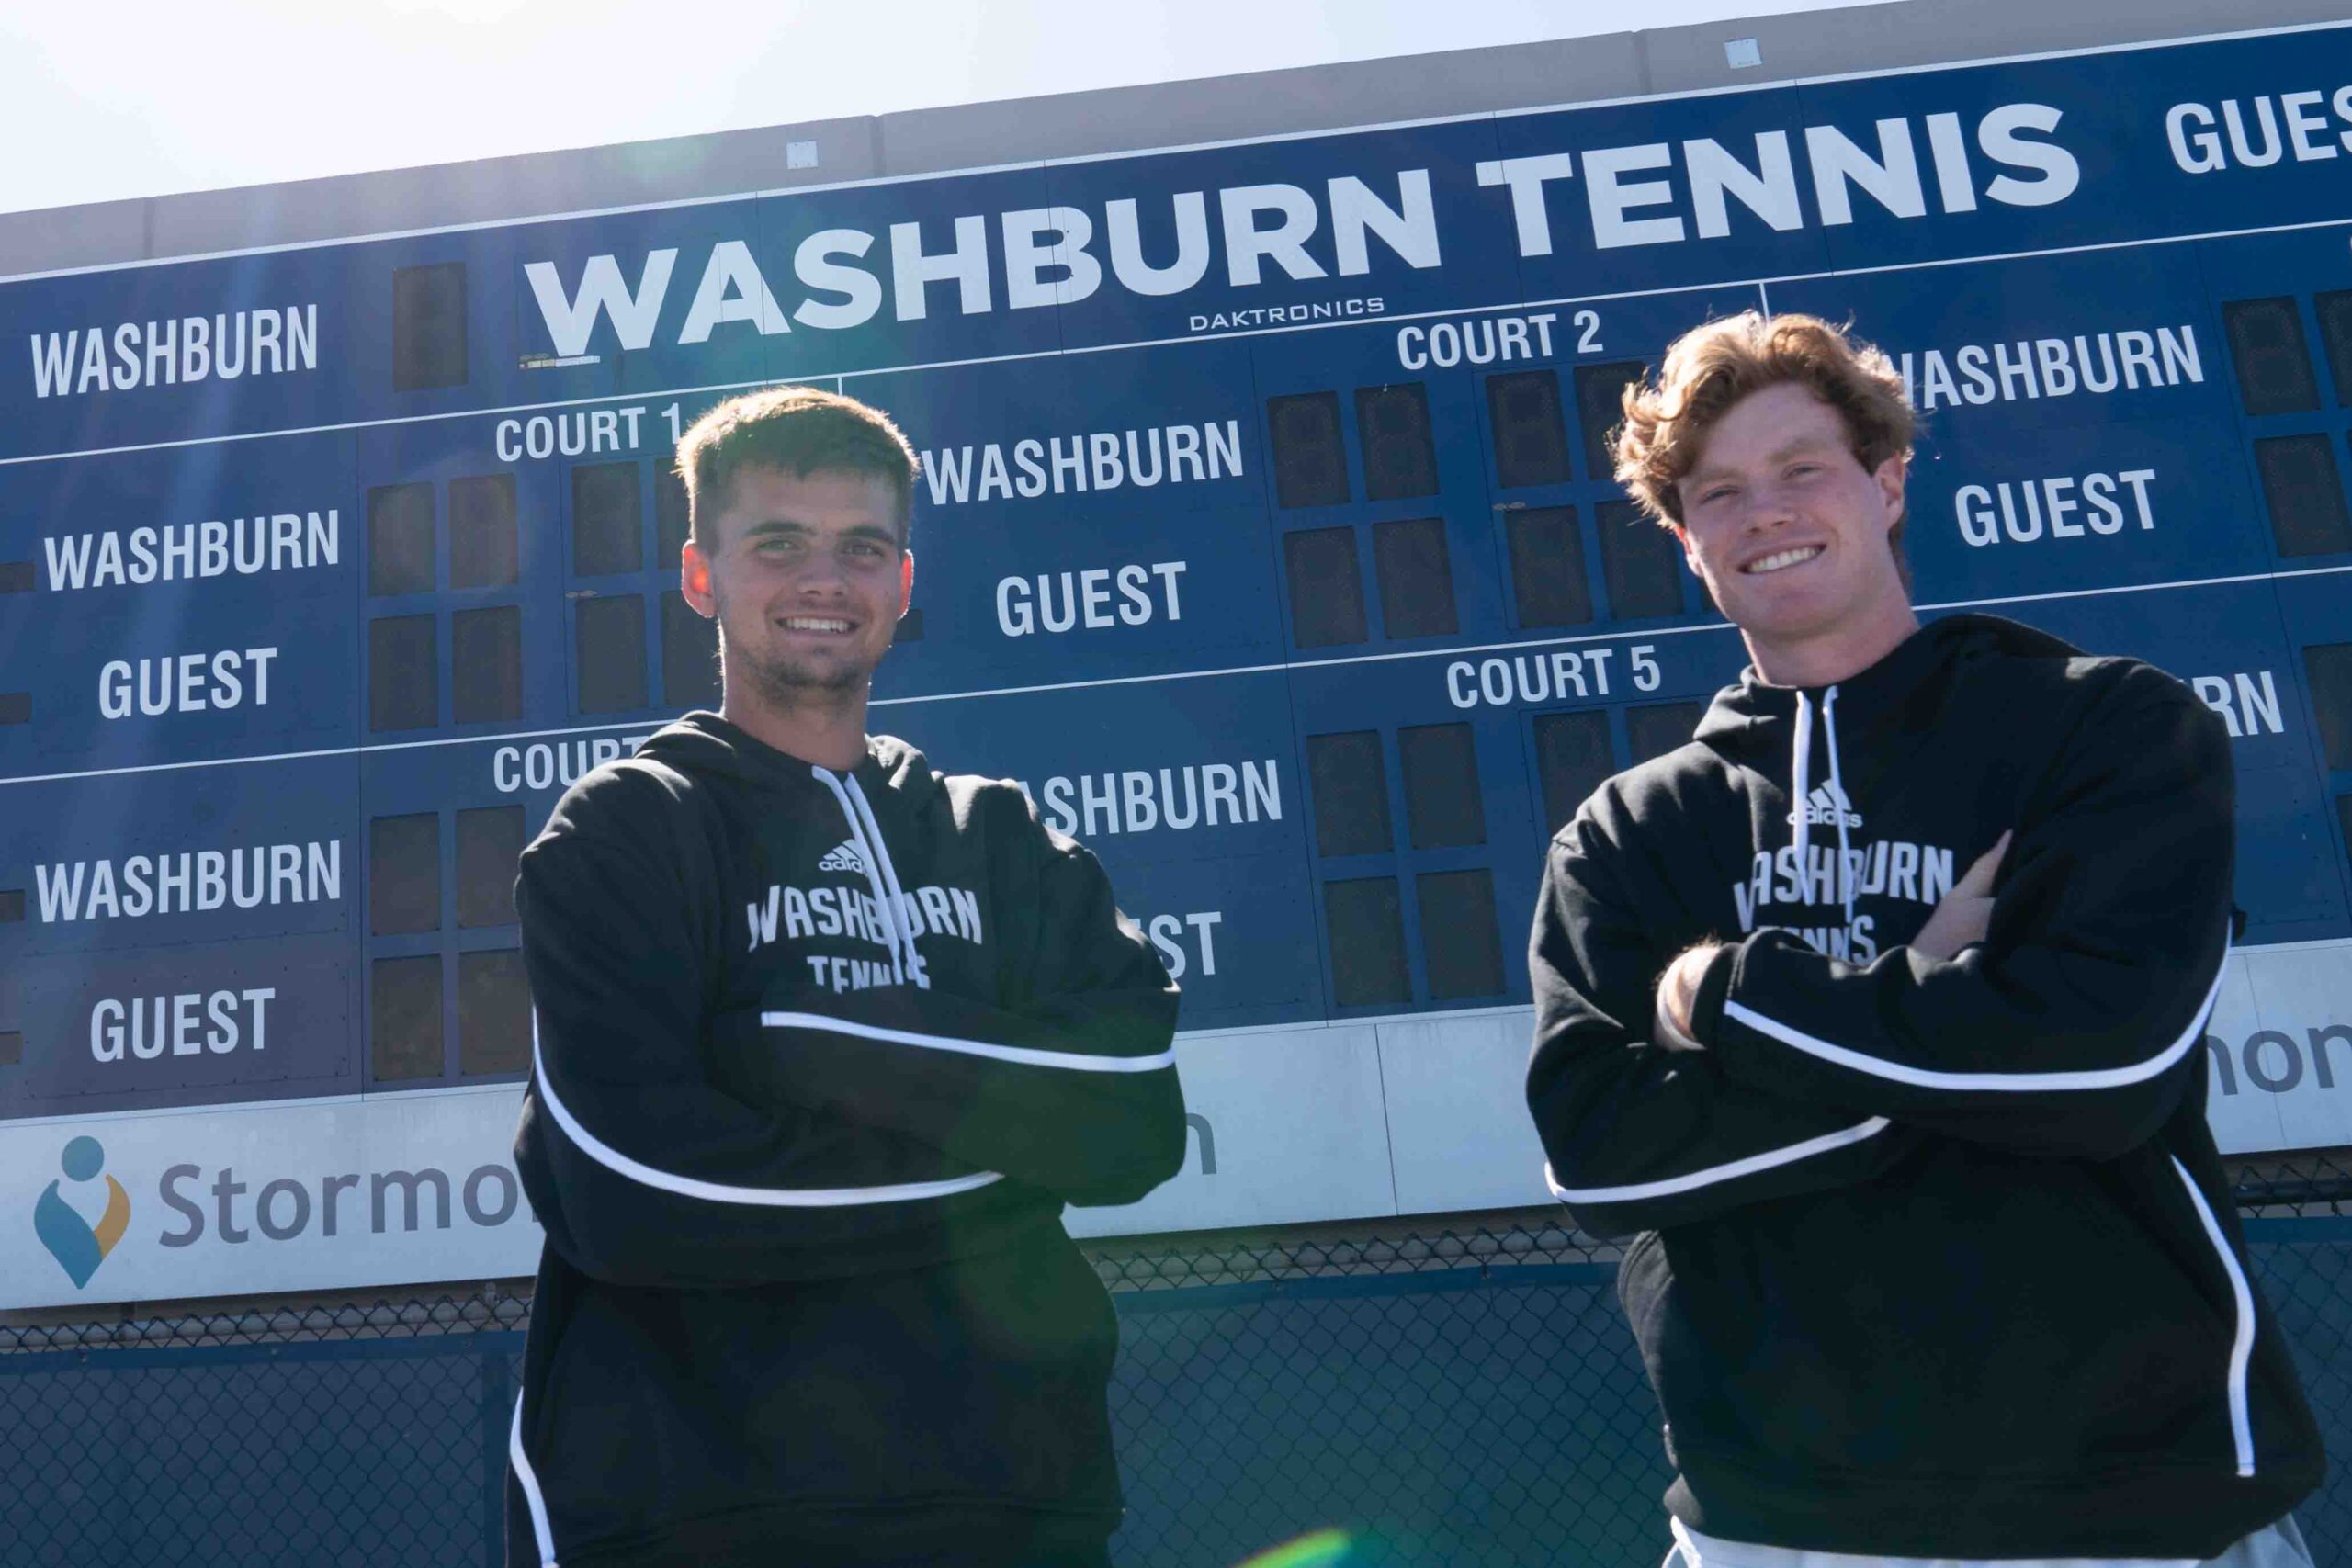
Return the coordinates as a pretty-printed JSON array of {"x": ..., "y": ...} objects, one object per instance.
[{"x": 78, "y": 1245}]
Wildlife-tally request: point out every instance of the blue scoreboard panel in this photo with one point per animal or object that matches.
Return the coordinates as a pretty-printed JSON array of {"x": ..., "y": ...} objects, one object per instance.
[{"x": 1265, "y": 528}]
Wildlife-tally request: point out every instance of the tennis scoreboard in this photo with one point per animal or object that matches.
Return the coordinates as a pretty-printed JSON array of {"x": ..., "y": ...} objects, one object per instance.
[{"x": 1265, "y": 533}]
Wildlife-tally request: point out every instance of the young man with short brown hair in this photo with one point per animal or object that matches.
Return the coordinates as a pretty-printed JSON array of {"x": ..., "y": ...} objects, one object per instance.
[
  {"x": 1932, "y": 1258},
  {"x": 826, "y": 1040}
]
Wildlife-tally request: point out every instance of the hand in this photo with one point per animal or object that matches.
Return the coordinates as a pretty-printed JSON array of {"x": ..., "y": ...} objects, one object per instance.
[
  {"x": 1966, "y": 912},
  {"x": 1677, "y": 992}
]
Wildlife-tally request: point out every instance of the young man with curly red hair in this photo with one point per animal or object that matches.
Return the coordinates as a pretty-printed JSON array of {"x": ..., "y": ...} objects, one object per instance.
[{"x": 1873, "y": 1016}]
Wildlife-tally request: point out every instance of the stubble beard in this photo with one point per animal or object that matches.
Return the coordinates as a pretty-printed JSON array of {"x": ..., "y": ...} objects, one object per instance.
[
  {"x": 783, "y": 684},
  {"x": 795, "y": 685},
  {"x": 791, "y": 686}
]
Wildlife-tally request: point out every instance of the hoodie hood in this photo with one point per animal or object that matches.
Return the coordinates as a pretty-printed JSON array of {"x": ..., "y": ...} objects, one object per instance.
[
  {"x": 1881, "y": 713},
  {"x": 1750, "y": 717},
  {"x": 708, "y": 746}
]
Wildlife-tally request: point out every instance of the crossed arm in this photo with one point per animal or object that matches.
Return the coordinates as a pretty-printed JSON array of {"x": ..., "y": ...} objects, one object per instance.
[
  {"x": 676, "y": 1148},
  {"x": 2064, "y": 1026}
]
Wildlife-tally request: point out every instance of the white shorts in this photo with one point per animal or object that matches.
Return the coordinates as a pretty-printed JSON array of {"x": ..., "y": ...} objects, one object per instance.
[{"x": 2277, "y": 1546}]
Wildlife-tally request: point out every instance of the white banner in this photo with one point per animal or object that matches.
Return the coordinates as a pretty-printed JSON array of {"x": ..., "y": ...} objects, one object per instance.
[
  {"x": 2279, "y": 1050},
  {"x": 392, "y": 1189}
]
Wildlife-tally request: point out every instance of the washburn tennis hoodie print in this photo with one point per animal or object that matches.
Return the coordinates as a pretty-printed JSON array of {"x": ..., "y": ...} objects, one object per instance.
[
  {"x": 1934, "y": 1259},
  {"x": 819, "y": 1058}
]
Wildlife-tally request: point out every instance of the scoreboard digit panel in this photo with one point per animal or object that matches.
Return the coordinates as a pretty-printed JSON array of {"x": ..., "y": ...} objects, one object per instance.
[
  {"x": 443, "y": 993},
  {"x": 459, "y": 600},
  {"x": 1570, "y": 553},
  {"x": 2286, "y": 304},
  {"x": 1422, "y": 828},
  {"x": 1379, "y": 496},
  {"x": 1550, "y": 380},
  {"x": 2317, "y": 615}
]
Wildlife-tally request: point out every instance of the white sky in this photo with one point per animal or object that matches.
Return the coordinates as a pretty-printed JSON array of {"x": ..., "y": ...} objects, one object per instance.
[{"x": 104, "y": 99}]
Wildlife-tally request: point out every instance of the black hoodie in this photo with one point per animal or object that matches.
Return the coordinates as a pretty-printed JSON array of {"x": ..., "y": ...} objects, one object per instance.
[
  {"x": 801, "y": 1164},
  {"x": 1936, "y": 1258}
]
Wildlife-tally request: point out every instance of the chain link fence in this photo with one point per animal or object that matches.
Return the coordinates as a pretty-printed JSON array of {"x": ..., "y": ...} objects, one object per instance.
[{"x": 1456, "y": 1397}]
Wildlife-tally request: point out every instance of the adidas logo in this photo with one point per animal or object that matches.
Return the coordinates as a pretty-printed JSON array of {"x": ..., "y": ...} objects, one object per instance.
[
  {"x": 1826, "y": 806},
  {"x": 844, "y": 856}
]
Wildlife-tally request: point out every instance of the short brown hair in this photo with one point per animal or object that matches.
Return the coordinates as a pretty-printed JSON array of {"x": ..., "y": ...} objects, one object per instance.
[
  {"x": 1709, "y": 369},
  {"x": 798, "y": 431}
]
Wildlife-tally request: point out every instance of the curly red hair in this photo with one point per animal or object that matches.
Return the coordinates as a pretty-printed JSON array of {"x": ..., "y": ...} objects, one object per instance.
[{"x": 1710, "y": 368}]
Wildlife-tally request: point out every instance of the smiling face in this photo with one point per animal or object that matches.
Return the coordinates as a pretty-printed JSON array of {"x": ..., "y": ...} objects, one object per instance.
[
  {"x": 807, "y": 575},
  {"x": 1790, "y": 533}
]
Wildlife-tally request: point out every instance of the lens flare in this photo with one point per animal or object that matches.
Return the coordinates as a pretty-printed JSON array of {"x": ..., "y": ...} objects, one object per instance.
[{"x": 1320, "y": 1550}]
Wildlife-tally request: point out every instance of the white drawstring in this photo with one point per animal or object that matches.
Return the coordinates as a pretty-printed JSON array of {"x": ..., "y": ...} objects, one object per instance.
[
  {"x": 1846, "y": 879},
  {"x": 1801, "y": 790},
  {"x": 902, "y": 926},
  {"x": 867, "y": 853},
  {"x": 881, "y": 876},
  {"x": 1800, "y": 780}
]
